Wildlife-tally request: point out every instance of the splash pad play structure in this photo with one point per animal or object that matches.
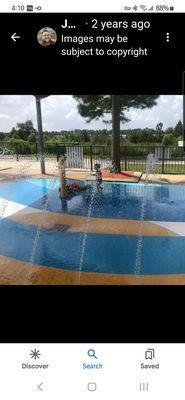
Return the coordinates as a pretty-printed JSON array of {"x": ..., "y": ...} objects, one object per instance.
[
  {"x": 62, "y": 177},
  {"x": 128, "y": 233}
]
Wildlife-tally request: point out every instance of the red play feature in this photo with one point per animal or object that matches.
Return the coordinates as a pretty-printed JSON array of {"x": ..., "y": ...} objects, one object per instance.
[{"x": 122, "y": 175}]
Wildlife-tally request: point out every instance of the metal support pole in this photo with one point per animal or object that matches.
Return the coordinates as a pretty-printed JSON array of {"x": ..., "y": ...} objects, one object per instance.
[
  {"x": 40, "y": 134},
  {"x": 163, "y": 154}
]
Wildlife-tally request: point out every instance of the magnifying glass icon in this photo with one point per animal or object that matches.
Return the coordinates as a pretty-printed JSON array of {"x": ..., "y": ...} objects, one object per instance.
[{"x": 91, "y": 353}]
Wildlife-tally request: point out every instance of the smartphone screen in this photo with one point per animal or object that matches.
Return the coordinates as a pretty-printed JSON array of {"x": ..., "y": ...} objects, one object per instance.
[{"x": 92, "y": 199}]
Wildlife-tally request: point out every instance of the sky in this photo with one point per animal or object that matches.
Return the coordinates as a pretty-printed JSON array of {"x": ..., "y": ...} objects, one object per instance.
[{"x": 60, "y": 113}]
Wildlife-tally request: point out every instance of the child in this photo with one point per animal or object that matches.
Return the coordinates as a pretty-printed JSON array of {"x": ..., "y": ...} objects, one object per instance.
[
  {"x": 113, "y": 167},
  {"x": 75, "y": 187},
  {"x": 98, "y": 176}
]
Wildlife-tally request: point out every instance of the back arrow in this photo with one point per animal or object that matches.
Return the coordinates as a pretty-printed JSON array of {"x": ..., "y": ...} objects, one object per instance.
[
  {"x": 14, "y": 37},
  {"x": 39, "y": 386}
]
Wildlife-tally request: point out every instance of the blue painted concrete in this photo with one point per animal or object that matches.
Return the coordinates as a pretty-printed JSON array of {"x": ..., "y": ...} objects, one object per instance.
[
  {"x": 117, "y": 200},
  {"x": 103, "y": 253}
]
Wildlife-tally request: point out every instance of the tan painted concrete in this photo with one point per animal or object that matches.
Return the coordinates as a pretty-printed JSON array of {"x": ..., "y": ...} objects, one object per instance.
[
  {"x": 76, "y": 223},
  {"x": 15, "y": 272},
  {"x": 30, "y": 168}
]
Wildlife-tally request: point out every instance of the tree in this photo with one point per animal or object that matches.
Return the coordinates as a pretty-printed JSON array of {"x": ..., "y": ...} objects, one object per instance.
[
  {"x": 159, "y": 133},
  {"x": 99, "y": 106},
  {"x": 2, "y": 136},
  {"x": 178, "y": 129},
  {"x": 13, "y": 132},
  {"x": 169, "y": 130},
  {"x": 31, "y": 138},
  {"x": 159, "y": 127},
  {"x": 46, "y": 137},
  {"x": 82, "y": 135},
  {"x": 133, "y": 137},
  {"x": 25, "y": 129},
  {"x": 15, "y": 136},
  {"x": 116, "y": 111},
  {"x": 167, "y": 139}
]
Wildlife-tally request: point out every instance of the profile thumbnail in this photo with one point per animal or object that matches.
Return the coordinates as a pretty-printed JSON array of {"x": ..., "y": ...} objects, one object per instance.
[{"x": 47, "y": 37}]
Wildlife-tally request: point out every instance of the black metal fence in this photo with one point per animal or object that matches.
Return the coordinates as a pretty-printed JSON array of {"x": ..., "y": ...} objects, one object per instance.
[{"x": 168, "y": 159}]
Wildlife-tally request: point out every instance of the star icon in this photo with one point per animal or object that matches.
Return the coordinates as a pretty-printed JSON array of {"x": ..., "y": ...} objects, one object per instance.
[{"x": 35, "y": 354}]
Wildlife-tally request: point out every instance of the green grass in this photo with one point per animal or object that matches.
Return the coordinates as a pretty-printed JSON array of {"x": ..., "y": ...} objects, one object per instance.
[
  {"x": 174, "y": 169},
  {"x": 140, "y": 166}
]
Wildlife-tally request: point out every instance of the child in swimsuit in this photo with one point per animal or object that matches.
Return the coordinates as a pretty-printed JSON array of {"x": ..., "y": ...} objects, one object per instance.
[
  {"x": 98, "y": 176},
  {"x": 75, "y": 187}
]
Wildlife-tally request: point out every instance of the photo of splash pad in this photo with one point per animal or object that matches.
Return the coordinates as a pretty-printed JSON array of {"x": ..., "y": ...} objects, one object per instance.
[{"x": 129, "y": 230}]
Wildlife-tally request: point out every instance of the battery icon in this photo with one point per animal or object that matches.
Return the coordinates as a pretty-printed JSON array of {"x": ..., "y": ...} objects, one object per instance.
[{"x": 29, "y": 8}]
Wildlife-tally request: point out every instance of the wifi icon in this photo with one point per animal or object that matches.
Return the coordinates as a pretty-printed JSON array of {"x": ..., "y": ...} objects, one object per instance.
[{"x": 143, "y": 7}]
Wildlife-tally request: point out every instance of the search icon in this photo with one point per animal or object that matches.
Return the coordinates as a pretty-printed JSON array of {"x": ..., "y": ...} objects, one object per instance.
[{"x": 91, "y": 353}]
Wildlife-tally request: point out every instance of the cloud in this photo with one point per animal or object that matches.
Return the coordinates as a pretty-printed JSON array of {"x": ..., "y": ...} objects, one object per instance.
[
  {"x": 60, "y": 112},
  {"x": 177, "y": 104},
  {"x": 71, "y": 113},
  {"x": 168, "y": 111},
  {"x": 163, "y": 99},
  {"x": 4, "y": 116}
]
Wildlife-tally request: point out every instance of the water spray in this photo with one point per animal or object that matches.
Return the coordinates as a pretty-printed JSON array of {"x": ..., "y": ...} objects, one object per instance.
[{"x": 151, "y": 163}]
